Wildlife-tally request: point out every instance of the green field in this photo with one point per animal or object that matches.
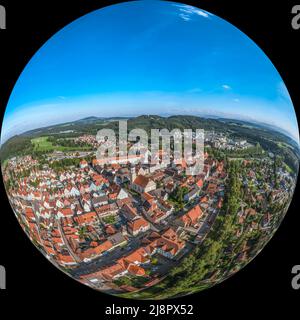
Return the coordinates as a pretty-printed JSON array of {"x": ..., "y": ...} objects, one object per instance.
[
  {"x": 42, "y": 144},
  {"x": 4, "y": 163}
]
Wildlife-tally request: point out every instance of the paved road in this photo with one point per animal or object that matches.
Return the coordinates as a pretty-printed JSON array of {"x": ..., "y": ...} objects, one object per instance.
[
  {"x": 108, "y": 258},
  {"x": 70, "y": 250}
]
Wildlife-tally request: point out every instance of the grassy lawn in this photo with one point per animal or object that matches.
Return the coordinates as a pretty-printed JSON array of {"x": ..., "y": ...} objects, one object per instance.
[{"x": 110, "y": 219}]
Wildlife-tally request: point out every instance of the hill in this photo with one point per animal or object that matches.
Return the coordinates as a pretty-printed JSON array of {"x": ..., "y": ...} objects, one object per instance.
[{"x": 268, "y": 137}]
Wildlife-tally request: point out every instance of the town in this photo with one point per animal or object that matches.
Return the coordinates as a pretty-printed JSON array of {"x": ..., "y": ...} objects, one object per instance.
[{"x": 120, "y": 227}]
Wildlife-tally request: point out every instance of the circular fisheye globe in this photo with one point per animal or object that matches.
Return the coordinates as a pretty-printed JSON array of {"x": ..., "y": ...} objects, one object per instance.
[{"x": 150, "y": 150}]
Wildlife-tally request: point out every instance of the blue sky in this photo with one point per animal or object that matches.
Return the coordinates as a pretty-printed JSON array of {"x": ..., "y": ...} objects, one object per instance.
[{"x": 148, "y": 57}]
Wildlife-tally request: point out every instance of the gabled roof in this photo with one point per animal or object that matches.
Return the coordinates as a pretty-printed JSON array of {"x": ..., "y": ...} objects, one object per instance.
[
  {"x": 130, "y": 210},
  {"x": 86, "y": 217},
  {"x": 136, "y": 270},
  {"x": 195, "y": 213},
  {"x": 142, "y": 181},
  {"x": 138, "y": 223},
  {"x": 139, "y": 255},
  {"x": 192, "y": 216},
  {"x": 106, "y": 245},
  {"x": 66, "y": 211}
]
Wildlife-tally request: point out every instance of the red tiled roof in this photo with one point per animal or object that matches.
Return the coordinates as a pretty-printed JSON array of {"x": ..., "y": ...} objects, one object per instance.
[
  {"x": 66, "y": 211},
  {"x": 138, "y": 223},
  {"x": 195, "y": 213},
  {"x": 200, "y": 183},
  {"x": 29, "y": 213},
  {"x": 65, "y": 258},
  {"x": 103, "y": 247},
  {"x": 136, "y": 270},
  {"x": 86, "y": 217},
  {"x": 147, "y": 196},
  {"x": 141, "y": 181}
]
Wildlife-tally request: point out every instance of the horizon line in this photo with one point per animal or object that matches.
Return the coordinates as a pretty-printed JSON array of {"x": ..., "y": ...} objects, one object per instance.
[{"x": 238, "y": 117}]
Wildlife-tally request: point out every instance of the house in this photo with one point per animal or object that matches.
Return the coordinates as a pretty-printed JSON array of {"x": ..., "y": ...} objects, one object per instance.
[
  {"x": 113, "y": 272},
  {"x": 107, "y": 210},
  {"x": 83, "y": 164},
  {"x": 191, "y": 195},
  {"x": 86, "y": 218},
  {"x": 136, "y": 270},
  {"x": 137, "y": 257},
  {"x": 149, "y": 205},
  {"x": 212, "y": 188},
  {"x": 129, "y": 211},
  {"x": 74, "y": 192},
  {"x": 160, "y": 193},
  {"x": 103, "y": 247},
  {"x": 110, "y": 229},
  {"x": 165, "y": 206},
  {"x": 199, "y": 183},
  {"x": 100, "y": 201},
  {"x": 122, "y": 176},
  {"x": 29, "y": 214},
  {"x": 170, "y": 187},
  {"x": 117, "y": 239},
  {"x": 122, "y": 194},
  {"x": 168, "y": 245},
  {"x": 107, "y": 274},
  {"x": 147, "y": 197},
  {"x": 143, "y": 184},
  {"x": 191, "y": 217},
  {"x": 65, "y": 260},
  {"x": 94, "y": 252},
  {"x": 137, "y": 226},
  {"x": 156, "y": 215},
  {"x": 78, "y": 208},
  {"x": 64, "y": 213},
  {"x": 71, "y": 191},
  {"x": 143, "y": 171}
]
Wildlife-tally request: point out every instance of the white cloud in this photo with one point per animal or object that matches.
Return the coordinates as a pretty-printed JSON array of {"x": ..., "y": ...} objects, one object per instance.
[
  {"x": 187, "y": 12},
  {"x": 184, "y": 17},
  {"x": 226, "y": 86}
]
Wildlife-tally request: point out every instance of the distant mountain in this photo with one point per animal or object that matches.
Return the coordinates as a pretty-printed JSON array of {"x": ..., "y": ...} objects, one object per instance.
[
  {"x": 268, "y": 136},
  {"x": 88, "y": 119},
  {"x": 97, "y": 119},
  {"x": 92, "y": 124}
]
